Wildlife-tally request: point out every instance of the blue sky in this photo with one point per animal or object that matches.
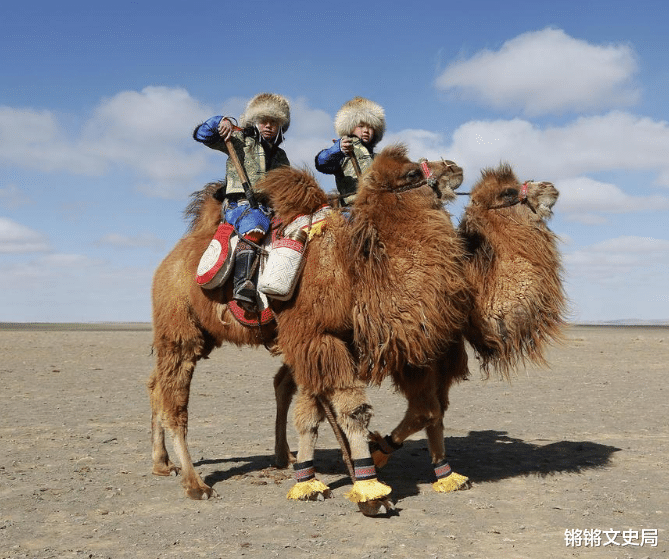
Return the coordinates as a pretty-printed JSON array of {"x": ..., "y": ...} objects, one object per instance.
[{"x": 98, "y": 102}]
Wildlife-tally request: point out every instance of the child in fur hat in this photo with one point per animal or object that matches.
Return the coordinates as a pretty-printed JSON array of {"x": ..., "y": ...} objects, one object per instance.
[
  {"x": 256, "y": 142},
  {"x": 360, "y": 124}
]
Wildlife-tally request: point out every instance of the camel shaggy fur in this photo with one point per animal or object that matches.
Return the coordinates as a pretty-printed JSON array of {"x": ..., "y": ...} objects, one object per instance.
[
  {"x": 512, "y": 265},
  {"x": 339, "y": 332},
  {"x": 383, "y": 296},
  {"x": 188, "y": 324}
]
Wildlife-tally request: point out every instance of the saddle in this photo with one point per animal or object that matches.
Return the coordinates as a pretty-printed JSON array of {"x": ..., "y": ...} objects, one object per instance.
[{"x": 279, "y": 262}]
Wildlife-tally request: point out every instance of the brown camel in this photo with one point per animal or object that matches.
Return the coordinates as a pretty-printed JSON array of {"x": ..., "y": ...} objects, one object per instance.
[
  {"x": 338, "y": 332},
  {"x": 188, "y": 323},
  {"x": 513, "y": 270},
  {"x": 513, "y": 266},
  {"x": 383, "y": 296}
]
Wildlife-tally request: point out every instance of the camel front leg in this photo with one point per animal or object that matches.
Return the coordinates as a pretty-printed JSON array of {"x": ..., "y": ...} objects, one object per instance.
[
  {"x": 308, "y": 416},
  {"x": 427, "y": 400},
  {"x": 424, "y": 410},
  {"x": 284, "y": 390},
  {"x": 353, "y": 414}
]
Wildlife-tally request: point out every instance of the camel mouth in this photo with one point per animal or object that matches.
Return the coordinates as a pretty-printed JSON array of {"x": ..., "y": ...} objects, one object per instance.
[{"x": 444, "y": 177}]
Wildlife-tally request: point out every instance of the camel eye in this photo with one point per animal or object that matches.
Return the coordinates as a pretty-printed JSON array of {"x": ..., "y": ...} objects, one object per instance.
[
  {"x": 509, "y": 194},
  {"x": 413, "y": 175}
]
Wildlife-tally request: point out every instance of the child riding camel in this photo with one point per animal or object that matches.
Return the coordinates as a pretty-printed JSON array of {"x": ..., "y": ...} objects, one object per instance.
[
  {"x": 360, "y": 124},
  {"x": 256, "y": 143}
]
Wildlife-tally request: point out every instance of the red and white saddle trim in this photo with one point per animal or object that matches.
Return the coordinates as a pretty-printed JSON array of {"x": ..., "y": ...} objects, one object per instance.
[
  {"x": 217, "y": 261},
  {"x": 306, "y": 222}
]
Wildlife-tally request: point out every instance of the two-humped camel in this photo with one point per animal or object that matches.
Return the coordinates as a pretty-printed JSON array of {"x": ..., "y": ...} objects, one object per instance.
[
  {"x": 385, "y": 298},
  {"x": 351, "y": 345},
  {"x": 514, "y": 274},
  {"x": 190, "y": 322}
]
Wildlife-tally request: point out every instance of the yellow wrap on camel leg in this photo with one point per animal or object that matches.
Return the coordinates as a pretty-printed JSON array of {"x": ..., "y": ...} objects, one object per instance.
[
  {"x": 367, "y": 490},
  {"x": 451, "y": 483},
  {"x": 308, "y": 490}
]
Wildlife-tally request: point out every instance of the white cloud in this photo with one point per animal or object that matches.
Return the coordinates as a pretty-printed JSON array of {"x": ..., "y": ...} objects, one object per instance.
[
  {"x": 582, "y": 196},
  {"x": 614, "y": 259},
  {"x": 17, "y": 238},
  {"x": 64, "y": 287},
  {"x": 148, "y": 132},
  {"x": 308, "y": 133},
  {"x": 610, "y": 142},
  {"x": 544, "y": 72},
  {"x": 421, "y": 143},
  {"x": 34, "y": 139},
  {"x": 625, "y": 277},
  {"x": 564, "y": 155}
]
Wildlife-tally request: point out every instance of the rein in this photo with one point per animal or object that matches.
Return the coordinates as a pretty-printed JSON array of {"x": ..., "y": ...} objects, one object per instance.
[
  {"x": 520, "y": 199},
  {"x": 429, "y": 179}
]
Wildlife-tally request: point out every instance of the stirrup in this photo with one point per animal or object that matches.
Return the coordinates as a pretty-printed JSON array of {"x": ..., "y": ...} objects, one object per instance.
[{"x": 245, "y": 295}]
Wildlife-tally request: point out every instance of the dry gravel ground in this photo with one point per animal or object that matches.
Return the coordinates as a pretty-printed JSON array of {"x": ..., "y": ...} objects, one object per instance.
[{"x": 582, "y": 446}]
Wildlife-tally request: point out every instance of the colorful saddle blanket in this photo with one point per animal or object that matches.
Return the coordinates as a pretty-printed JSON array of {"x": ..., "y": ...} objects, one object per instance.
[{"x": 281, "y": 260}]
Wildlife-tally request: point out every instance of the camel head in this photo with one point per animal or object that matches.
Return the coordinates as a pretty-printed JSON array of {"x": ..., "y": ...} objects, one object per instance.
[
  {"x": 393, "y": 171},
  {"x": 499, "y": 188}
]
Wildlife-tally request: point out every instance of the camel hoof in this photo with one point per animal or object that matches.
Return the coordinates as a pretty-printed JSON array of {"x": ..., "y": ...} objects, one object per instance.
[
  {"x": 380, "y": 459},
  {"x": 376, "y": 507},
  {"x": 453, "y": 482},
  {"x": 283, "y": 461},
  {"x": 165, "y": 470},
  {"x": 201, "y": 494}
]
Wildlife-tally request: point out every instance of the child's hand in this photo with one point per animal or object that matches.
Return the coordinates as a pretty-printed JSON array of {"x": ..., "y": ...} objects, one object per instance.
[
  {"x": 225, "y": 129},
  {"x": 346, "y": 145}
]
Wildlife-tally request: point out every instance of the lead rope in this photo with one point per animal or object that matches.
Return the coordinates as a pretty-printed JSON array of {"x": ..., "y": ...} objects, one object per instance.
[{"x": 343, "y": 443}]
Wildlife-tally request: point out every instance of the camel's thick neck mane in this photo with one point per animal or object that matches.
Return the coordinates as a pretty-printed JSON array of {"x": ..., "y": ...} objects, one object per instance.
[{"x": 514, "y": 265}]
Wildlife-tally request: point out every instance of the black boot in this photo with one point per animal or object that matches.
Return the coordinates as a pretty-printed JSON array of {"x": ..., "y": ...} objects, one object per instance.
[{"x": 243, "y": 288}]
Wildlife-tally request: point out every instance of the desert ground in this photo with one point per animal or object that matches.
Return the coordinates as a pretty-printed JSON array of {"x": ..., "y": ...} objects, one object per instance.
[{"x": 568, "y": 461}]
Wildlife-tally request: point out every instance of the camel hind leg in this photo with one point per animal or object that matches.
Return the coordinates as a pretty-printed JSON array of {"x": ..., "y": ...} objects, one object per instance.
[
  {"x": 162, "y": 465},
  {"x": 284, "y": 390},
  {"x": 169, "y": 388}
]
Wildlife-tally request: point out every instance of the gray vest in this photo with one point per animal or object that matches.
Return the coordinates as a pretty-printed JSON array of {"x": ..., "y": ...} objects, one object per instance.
[{"x": 346, "y": 179}]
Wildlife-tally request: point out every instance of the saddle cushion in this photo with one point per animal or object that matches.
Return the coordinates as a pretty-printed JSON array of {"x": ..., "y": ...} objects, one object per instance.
[{"x": 218, "y": 260}]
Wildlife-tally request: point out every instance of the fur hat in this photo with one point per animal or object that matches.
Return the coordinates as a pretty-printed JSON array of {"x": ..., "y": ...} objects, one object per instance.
[
  {"x": 266, "y": 105},
  {"x": 359, "y": 110}
]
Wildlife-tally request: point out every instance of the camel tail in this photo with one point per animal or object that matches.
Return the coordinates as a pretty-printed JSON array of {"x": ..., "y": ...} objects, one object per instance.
[{"x": 204, "y": 210}]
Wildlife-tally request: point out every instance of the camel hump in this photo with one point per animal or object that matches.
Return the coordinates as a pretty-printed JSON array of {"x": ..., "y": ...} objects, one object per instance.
[{"x": 292, "y": 192}]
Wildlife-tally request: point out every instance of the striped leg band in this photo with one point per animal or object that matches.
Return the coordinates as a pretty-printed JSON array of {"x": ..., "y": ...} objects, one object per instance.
[
  {"x": 442, "y": 469},
  {"x": 304, "y": 471},
  {"x": 364, "y": 469}
]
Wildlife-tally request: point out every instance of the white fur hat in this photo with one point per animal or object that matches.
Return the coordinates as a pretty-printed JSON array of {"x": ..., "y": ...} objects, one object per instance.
[
  {"x": 266, "y": 105},
  {"x": 359, "y": 110}
]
